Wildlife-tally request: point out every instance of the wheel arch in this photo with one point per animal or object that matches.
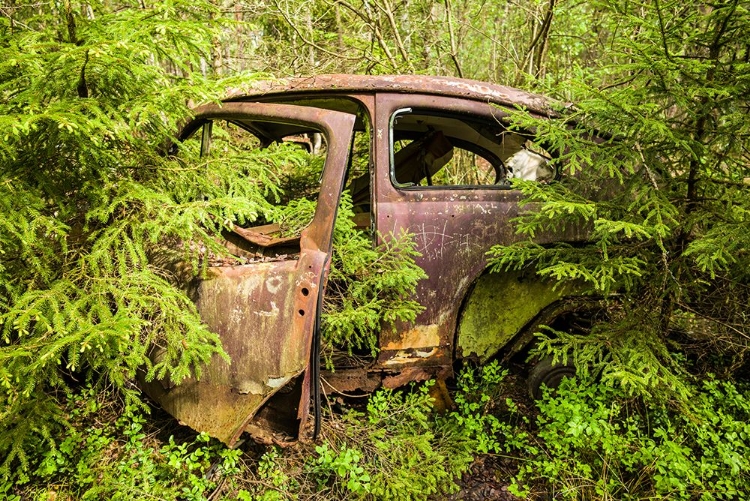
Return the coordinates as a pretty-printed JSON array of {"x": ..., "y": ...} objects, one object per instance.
[{"x": 502, "y": 311}]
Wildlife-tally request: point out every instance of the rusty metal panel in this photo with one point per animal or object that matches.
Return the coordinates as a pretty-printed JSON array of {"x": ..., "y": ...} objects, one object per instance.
[
  {"x": 498, "y": 307},
  {"x": 453, "y": 227},
  {"x": 263, "y": 317},
  {"x": 453, "y": 231},
  {"x": 403, "y": 84},
  {"x": 264, "y": 312},
  {"x": 450, "y": 228}
]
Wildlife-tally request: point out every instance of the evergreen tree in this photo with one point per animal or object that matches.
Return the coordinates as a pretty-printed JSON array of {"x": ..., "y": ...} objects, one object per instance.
[
  {"x": 101, "y": 227},
  {"x": 91, "y": 94},
  {"x": 664, "y": 194}
]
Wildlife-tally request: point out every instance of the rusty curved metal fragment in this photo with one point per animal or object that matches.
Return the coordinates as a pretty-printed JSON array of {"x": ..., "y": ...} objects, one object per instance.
[
  {"x": 397, "y": 84},
  {"x": 264, "y": 312}
]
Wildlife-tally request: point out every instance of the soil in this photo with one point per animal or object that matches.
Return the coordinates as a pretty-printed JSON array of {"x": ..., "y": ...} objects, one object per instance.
[{"x": 487, "y": 479}]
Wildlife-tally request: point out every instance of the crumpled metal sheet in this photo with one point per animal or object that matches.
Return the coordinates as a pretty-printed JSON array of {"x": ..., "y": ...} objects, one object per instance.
[
  {"x": 263, "y": 327},
  {"x": 264, "y": 312}
]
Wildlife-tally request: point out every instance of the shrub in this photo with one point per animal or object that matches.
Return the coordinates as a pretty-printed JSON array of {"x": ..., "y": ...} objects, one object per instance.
[
  {"x": 88, "y": 106},
  {"x": 596, "y": 442},
  {"x": 397, "y": 448},
  {"x": 108, "y": 451},
  {"x": 394, "y": 450}
]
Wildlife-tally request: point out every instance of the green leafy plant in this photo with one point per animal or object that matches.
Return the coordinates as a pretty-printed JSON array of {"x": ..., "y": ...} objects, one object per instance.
[
  {"x": 596, "y": 442},
  {"x": 482, "y": 421},
  {"x": 402, "y": 448},
  {"x": 105, "y": 450},
  {"x": 281, "y": 486},
  {"x": 344, "y": 465},
  {"x": 395, "y": 450}
]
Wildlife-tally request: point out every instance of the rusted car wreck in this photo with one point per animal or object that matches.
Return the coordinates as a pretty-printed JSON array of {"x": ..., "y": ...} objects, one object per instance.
[{"x": 431, "y": 156}]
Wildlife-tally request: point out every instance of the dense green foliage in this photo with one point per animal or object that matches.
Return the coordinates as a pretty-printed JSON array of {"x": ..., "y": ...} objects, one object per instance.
[
  {"x": 91, "y": 94},
  {"x": 594, "y": 442},
  {"x": 588, "y": 441},
  {"x": 93, "y": 210},
  {"x": 85, "y": 112},
  {"x": 110, "y": 452},
  {"x": 398, "y": 447},
  {"x": 663, "y": 194}
]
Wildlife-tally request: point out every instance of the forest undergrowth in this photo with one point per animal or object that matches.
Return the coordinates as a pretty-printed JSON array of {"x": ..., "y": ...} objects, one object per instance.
[{"x": 587, "y": 440}]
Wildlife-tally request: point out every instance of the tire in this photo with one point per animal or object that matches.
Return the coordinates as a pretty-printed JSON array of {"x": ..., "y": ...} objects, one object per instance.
[{"x": 549, "y": 374}]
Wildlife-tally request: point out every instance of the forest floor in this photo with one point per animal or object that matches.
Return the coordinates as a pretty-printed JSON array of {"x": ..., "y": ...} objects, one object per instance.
[
  {"x": 490, "y": 475},
  {"x": 487, "y": 479}
]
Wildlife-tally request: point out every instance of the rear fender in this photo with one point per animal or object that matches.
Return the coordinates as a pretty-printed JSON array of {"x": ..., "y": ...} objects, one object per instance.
[{"x": 500, "y": 308}]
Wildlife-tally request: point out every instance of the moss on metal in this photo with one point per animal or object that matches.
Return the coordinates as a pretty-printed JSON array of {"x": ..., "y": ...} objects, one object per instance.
[{"x": 500, "y": 305}]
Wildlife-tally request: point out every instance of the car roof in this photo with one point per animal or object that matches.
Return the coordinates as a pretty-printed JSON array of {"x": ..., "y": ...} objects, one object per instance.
[{"x": 406, "y": 84}]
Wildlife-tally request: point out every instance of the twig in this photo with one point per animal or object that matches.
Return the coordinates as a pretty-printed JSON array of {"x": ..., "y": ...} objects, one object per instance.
[
  {"x": 452, "y": 37},
  {"x": 310, "y": 42}
]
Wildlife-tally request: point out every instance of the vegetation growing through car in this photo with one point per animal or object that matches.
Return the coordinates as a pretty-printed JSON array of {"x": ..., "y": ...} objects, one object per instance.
[
  {"x": 90, "y": 207},
  {"x": 73, "y": 104},
  {"x": 369, "y": 286}
]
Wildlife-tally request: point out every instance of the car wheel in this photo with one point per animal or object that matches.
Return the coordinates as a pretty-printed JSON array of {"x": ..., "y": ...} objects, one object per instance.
[{"x": 548, "y": 373}]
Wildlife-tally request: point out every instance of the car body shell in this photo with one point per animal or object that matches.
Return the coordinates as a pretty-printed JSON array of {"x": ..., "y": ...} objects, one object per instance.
[{"x": 267, "y": 313}]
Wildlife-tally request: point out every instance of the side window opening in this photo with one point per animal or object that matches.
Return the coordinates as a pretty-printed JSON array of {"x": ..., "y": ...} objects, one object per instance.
[
  {"x": 432, "y": 148},
  {"x": 276, "y": 168},
  {"x": 358, "y": 181}
]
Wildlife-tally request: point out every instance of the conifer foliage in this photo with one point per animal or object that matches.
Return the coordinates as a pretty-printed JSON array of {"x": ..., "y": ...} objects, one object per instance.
[
  {"x": 663, "y": 193},
  {"x": 91, "y": 94}
]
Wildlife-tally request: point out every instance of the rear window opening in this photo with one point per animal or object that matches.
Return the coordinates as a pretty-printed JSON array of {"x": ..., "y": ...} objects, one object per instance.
[{"x": 434, "y": 149}]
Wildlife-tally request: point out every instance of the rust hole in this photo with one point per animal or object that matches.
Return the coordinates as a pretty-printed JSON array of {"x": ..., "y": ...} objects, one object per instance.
[
  {"x": 302, "y": 313},
  {"x": 305, "y": 291}
]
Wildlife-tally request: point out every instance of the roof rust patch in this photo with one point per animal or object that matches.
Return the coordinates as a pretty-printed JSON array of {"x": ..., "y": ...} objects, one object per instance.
[{"x": 409, "y": 84}]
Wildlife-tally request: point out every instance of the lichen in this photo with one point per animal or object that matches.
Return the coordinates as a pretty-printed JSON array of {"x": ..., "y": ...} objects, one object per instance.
[{"x": 499, "y": 306}]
